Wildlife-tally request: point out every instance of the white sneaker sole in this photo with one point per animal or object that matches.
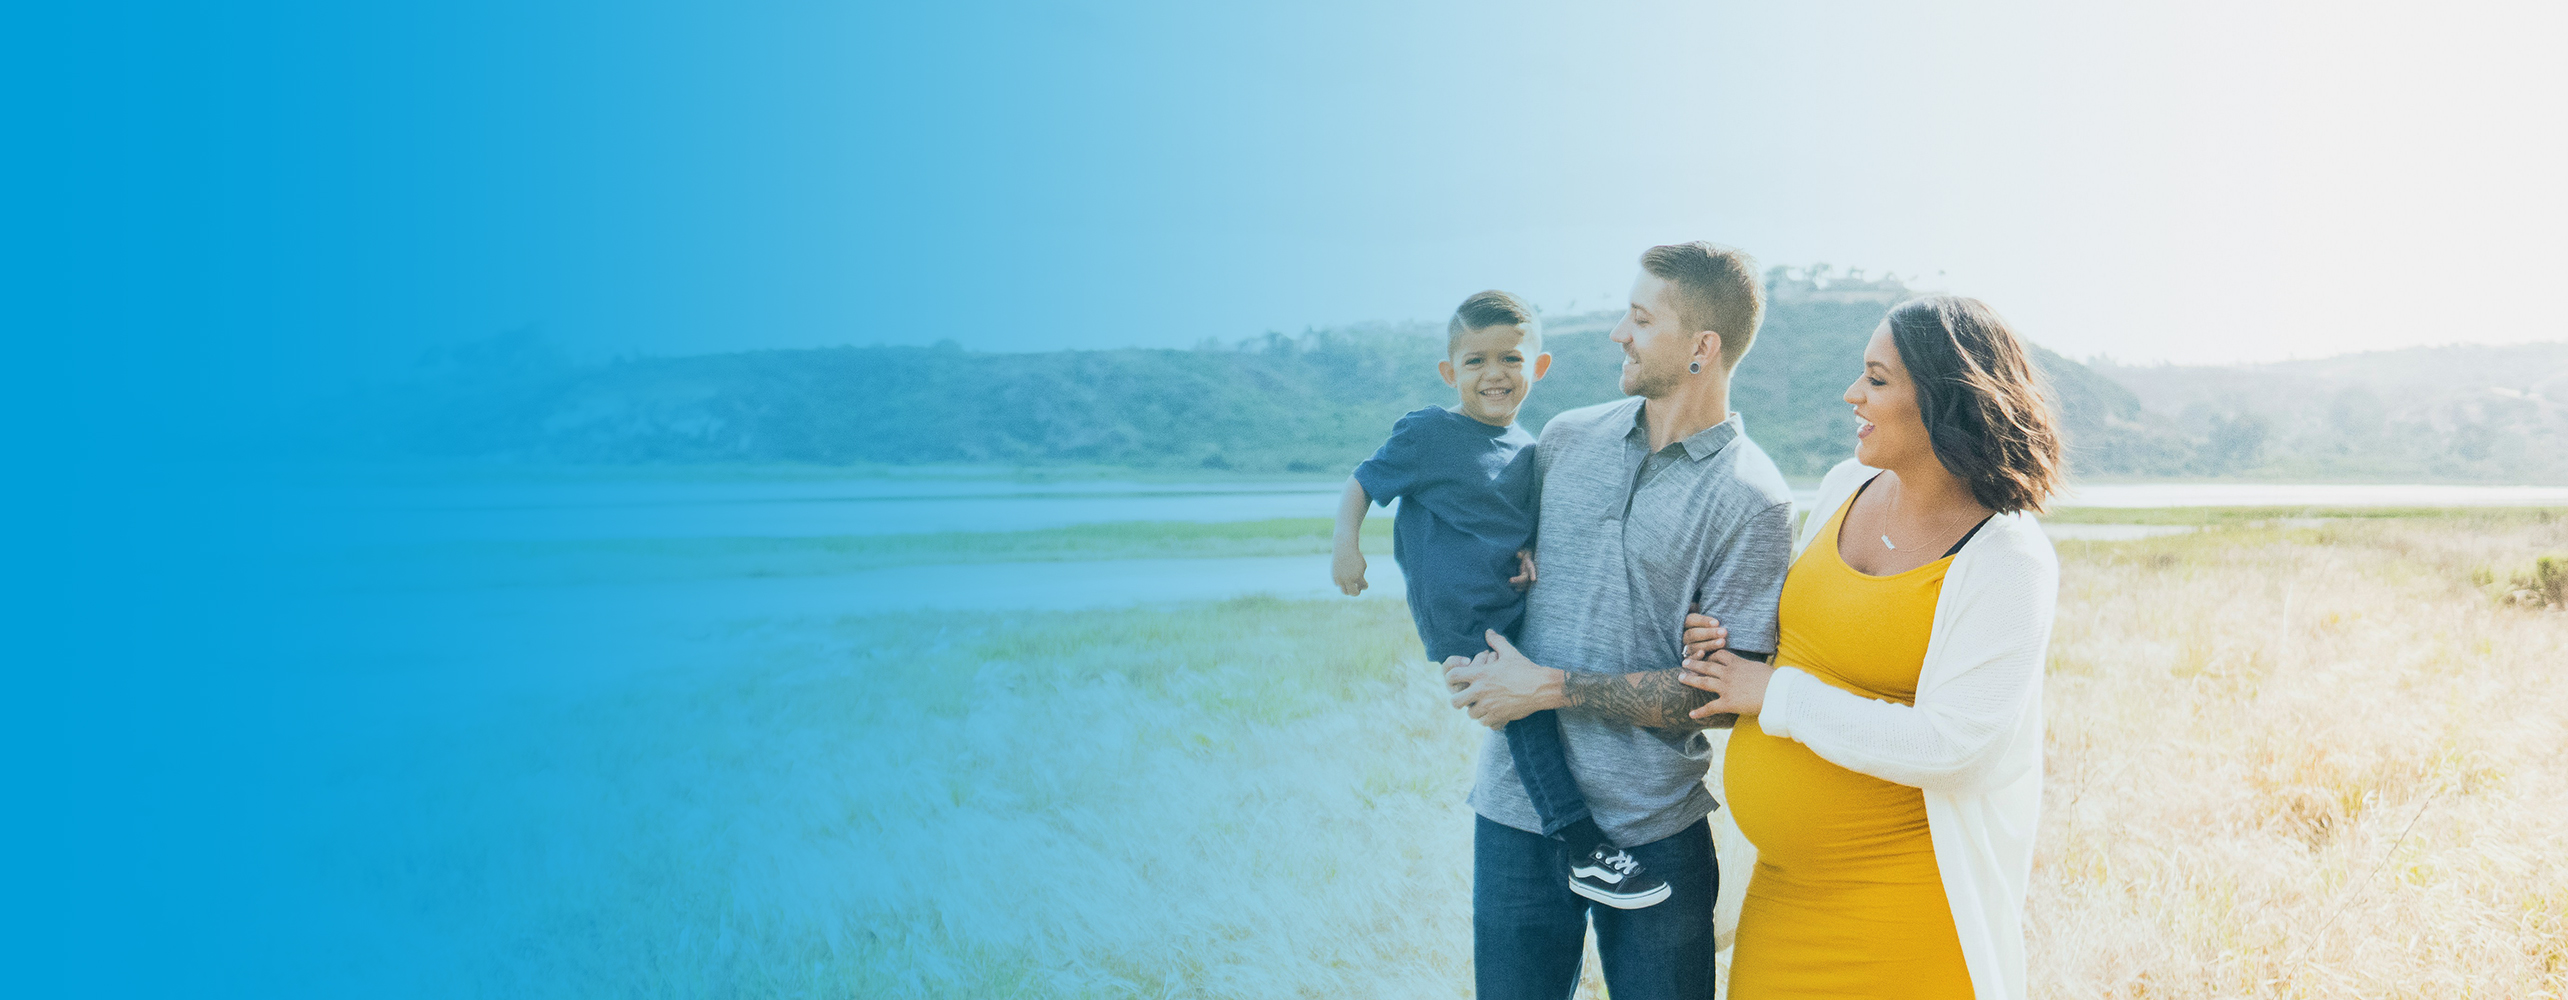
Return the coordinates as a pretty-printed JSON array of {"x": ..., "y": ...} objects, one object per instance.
[{"x": 1621, "y": 901}]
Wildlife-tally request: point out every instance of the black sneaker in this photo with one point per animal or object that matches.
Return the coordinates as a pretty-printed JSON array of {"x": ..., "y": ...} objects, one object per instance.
[{"x": 1610, "y": 876}]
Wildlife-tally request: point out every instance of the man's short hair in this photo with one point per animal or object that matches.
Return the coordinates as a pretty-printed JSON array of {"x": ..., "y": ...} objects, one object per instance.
[
  {"x": 1494, "y": 308},
  {"x": 1716, "y": 288}
]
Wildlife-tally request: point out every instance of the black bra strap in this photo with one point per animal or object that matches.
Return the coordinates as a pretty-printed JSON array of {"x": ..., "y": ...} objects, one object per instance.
[
  {"x": 1966, "y": 536},
  {"x": 1957, "y": 546}
]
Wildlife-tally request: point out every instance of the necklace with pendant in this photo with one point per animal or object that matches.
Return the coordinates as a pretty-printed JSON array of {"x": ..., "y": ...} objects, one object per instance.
[{"x": 1885, "y": 523}]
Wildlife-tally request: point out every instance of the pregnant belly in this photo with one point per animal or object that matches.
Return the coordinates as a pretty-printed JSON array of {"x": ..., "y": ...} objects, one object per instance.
[{"x": 1818, "y": 821}]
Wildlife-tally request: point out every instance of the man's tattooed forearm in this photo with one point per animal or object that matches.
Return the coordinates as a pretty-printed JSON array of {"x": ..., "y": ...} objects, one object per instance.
[{"x": 1651, "y": 699}]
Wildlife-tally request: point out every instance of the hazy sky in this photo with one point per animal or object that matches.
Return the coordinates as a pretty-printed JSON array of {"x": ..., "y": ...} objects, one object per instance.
[{"x": 2171, "y": 180}]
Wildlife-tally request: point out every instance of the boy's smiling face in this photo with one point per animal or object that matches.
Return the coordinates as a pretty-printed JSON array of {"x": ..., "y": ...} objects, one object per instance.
[{"x": 1490, "y": 368}]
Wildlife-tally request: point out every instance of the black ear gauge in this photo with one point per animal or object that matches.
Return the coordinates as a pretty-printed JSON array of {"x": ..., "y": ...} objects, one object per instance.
[{"x": 1694, "y": 368}]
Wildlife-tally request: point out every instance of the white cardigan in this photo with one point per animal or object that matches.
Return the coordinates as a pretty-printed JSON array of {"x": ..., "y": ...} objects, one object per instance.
[{"x": 1973, "y": 741}]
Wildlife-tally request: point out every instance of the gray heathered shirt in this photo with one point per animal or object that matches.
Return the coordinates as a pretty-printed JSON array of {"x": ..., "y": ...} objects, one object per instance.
[{"x": 1628, "y": 539}]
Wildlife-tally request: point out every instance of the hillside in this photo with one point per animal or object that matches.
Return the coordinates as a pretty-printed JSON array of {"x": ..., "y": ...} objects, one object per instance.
[
  {"x": 2461, "y": 412},
  {"x": 1318, "y": 402}
]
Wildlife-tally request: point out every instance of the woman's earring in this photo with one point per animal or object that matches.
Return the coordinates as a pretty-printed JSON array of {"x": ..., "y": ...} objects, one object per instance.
[{"x": 1695, "y": 368}]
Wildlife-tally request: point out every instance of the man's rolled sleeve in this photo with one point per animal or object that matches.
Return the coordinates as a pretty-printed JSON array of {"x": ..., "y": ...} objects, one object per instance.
[{"x": 1746, "y": 584}]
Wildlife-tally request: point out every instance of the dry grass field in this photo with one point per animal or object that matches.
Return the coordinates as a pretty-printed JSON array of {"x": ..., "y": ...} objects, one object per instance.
[
  {"x": 2287, "y": 759},
  {"x": 2319, "y": 761}
]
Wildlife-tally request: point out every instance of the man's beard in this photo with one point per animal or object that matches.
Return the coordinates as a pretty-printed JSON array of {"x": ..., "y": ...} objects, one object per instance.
[{"x": 1651, "y": 381}]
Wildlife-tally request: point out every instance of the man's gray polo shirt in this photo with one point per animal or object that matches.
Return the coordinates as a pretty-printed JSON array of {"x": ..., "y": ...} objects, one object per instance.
[{"x": 1628, "y": 539}]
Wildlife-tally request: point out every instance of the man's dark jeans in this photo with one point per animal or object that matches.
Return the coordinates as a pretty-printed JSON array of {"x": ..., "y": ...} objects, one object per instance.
[
  {"x": 1529, "y": 932},
  {"x": 1542, "y": 765}
]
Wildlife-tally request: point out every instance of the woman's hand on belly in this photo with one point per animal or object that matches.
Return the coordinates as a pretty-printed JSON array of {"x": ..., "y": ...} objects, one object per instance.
[{"x": 1737, "y": 683}]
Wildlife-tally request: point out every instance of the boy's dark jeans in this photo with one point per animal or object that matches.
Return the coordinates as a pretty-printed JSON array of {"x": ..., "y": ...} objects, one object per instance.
[
  {"x": 1529, "y": 932},
  {"x": 1543, "y": 766}
]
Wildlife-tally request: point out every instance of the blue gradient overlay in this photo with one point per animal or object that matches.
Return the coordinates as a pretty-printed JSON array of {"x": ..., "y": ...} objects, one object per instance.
[{"x": 290, "y": 717}]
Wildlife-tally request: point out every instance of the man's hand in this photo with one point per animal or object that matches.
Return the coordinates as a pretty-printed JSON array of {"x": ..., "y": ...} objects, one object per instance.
[
  {"x": 1737, "y": 683},
  {"x": 1703, "y": 634},
  {"x": 1525, "y": 575},
  {"x": 1502, "y": 686},
  {"x": 1348, "y": 570}
]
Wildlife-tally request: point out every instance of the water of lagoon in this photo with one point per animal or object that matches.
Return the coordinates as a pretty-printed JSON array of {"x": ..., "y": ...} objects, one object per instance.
[
  {"x": 886, "y": 506},
  {"x": 753, "y": 509}
]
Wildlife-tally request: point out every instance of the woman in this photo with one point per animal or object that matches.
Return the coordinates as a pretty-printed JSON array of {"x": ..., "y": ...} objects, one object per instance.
[{"x": 1887, "y": 766}]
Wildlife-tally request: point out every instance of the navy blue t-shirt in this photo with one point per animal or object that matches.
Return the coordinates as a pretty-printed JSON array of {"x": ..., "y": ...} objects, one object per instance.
[{"x": 1467, "y": 496}]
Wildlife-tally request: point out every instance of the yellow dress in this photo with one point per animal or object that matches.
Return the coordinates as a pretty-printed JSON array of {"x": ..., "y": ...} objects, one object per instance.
[{"x": 1846, "y": 900}]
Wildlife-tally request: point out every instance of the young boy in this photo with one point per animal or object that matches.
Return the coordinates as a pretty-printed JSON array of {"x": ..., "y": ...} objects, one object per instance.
[{"x": 1465, "y": 478}]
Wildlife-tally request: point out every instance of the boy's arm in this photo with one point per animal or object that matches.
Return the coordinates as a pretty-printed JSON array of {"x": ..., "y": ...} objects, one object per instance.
[
  {"x": 1527, "y": 574},
  {"x": 1388, "y": 475},
  {"x": 1347, "y": 568}
]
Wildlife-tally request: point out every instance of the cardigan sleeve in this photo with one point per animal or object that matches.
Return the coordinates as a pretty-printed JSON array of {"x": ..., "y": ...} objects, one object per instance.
[{"x": 1956, "y": 737}]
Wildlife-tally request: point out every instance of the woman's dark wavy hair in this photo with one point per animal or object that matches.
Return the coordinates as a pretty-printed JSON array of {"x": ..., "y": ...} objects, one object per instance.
[{"x": 1985, "y": 409}]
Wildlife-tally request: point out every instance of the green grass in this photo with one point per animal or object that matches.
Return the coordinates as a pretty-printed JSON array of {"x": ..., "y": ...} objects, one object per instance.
[
  {"x": 2230, "y": 516},
  {"x": 513, "y": 473},
  {"x": 654, "y": 560},
  {"x": 1251, "y": 659},
  {"x": 752, "y": 821},
  {"x": 557, "y": 563},
  {"x": 659, "y": 560}
]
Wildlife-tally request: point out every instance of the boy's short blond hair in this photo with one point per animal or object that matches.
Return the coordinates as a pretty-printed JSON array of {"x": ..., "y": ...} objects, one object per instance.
[{"x": 1494, "y": 308}]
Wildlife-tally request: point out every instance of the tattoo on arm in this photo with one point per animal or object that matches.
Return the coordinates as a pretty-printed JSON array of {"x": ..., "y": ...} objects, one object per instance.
[{"x": 1650, "y": 699}]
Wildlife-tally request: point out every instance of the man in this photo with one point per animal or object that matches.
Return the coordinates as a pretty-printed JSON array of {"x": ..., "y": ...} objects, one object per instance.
[{"x": 1649, "y": 505}]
